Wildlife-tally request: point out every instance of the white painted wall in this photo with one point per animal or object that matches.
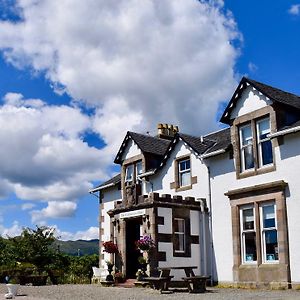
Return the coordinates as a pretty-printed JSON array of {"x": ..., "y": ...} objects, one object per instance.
[
  {"x": 110, "y": 195},
  {"x": 250, "y": 100},
  {"x": 131, "y": 150},
  {"x": 287, "y": 158}
]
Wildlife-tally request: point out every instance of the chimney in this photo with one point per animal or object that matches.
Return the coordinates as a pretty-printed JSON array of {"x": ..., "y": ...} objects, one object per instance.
[{"x": 166, "y": 131}]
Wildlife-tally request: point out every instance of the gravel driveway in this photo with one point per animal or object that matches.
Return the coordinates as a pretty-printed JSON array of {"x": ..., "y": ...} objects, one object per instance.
[{"x": 91, "y": 292}]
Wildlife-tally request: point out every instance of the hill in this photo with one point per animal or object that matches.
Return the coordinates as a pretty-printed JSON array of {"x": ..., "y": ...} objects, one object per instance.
[{"x": 82, "y": 247}]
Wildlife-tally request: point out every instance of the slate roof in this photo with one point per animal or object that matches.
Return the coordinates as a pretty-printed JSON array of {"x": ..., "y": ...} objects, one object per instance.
[
  {"x": 273, "y": 93},
  {"x": 221, "y": 138},
  {"x": 212, "y": 142},
  {"x": 196, "y": 143},
  {"x": 114, "y": 180},
  {"x": 147, "y": 143}
]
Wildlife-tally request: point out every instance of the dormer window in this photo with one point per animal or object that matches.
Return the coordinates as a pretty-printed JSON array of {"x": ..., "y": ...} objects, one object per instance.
[
  {"x": 255, "y": 147},
  {"x": 132, "y": 172}
]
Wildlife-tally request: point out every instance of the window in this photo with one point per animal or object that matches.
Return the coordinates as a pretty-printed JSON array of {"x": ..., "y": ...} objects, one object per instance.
[
  {"x": 132, "y": 172},
  {"x": 129, "y": 174},
  {"x": 267, "y": 229},
  {"x": 255, "y": 147},
  {"x": 248, "y": 235},
  {"x": 264, "y": 144},
  {"x": 179, "y": 235},
  {"x": 269, "y": 233},
  {"x": 184, "y": 172}
]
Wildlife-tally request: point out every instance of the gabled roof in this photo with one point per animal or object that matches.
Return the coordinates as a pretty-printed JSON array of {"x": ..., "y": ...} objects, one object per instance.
[
  {"x": 147, "y": 144},
  {"x": 208, "y": 144},
  {"x": 274, "y": 94},
  {"x": 211, "y": 143}
]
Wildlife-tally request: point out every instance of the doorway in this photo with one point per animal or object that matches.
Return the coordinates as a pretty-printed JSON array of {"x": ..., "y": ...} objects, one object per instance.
[{"x": 133, "y": 233}]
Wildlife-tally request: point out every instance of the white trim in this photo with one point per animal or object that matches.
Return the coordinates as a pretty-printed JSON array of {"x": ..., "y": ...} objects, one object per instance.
[
  {"x": 214, "y": 153},
  {"x": 284, "y": 132},
  {"x": 146, "y": 174},
  {"x": 99, "y": 188}
]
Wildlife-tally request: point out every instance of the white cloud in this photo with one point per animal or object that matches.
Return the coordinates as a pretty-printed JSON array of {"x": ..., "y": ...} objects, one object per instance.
[
  {"x": 16, "y": 99},
  {"x": 252, "y": 67},
  {"x": 55, "y": 209},
  {"x": 169, "y": 61},
  {"x": 12, "y": 231},
  {"x": 294, "y": 10},
  {"x": 89, "y": 234},
  {"x": 27, "y": 206}
]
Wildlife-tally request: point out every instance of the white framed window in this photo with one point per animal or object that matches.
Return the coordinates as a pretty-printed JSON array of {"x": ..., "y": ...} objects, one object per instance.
[
  {"x": 184, "y": 172},
  {"x": 248, "y": 235},
  {"x": 129, "y": 174},
  {"x": 179, "y": 235},
  {"x": 269, "y": 238},
  {"x": 255, "y": 153},
  {"x": 246, "y": 147},
  {"x": 265, "y": 153}
]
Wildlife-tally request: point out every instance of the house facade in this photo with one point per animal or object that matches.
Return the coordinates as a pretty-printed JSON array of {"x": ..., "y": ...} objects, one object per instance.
[{"x": 227, "y": 202}]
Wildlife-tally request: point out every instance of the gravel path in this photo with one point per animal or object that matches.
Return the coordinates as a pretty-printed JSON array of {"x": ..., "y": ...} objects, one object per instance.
[{"x": 91, "y": 292}]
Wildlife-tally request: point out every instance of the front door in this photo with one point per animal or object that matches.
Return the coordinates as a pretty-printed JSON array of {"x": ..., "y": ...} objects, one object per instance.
[{"x": 133, "y": 233}]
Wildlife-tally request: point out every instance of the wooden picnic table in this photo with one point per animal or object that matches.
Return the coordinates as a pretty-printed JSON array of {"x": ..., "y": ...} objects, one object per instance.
[{"x": 195, "y": 284}]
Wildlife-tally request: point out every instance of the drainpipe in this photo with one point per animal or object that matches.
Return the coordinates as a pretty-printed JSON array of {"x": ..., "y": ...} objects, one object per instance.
[
  {"x": 203, "y": 230},
  {"x": 210, "y": 226}
]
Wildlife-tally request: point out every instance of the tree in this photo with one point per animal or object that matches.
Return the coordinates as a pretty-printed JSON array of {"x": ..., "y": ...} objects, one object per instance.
[{"x": 33, "y": 246}]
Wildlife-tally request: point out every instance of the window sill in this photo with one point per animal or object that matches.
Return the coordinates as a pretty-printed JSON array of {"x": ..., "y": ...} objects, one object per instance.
[
  {"x": 183, "y": 188},
  {"x": 259, "y": 171}
]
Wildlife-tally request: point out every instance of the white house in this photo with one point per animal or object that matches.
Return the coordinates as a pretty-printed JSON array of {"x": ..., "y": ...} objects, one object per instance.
[{"x": 227, "y": 202}]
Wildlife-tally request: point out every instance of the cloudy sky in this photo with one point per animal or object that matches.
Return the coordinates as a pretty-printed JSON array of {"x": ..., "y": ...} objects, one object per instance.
[{"x": 76, "y": 75}]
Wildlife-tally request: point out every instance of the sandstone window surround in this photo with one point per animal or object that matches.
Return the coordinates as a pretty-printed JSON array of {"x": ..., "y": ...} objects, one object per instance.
[
  {"x": 260, "y": 233},
  {"x": 132, "y": 171},
  {"x": 183, "y": 174},
  {"x": 253, "y": 150},
  {"x": 266, "y": 228}
]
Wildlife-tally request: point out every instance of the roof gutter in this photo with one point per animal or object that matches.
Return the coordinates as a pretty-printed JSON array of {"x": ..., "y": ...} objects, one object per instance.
[
  {"x": 152, "y": 172},
  {"x": 284, "y": 132},
  {"x": 99, "y": 188},
  {"x": 214, "y": 153}
]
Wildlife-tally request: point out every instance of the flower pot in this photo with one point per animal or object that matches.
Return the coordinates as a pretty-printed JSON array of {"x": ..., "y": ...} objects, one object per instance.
[{"x": 12, "y": 290}]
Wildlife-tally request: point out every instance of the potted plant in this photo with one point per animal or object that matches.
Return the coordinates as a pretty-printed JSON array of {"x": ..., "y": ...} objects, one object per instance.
[
  {"x": 110, "y": 266},
  {"x": 119, "y": 277},
  {"x": 143, "y": 263},
  {"x": 110, "y": 247},
  {"x": 145, "y": 243}
]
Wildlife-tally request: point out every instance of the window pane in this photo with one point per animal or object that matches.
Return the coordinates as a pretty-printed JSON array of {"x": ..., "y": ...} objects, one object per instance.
[
  {"x": 269, "y": 216},
  {"x": 263, "y": 128},
  {"x": 129, "y": 173},
  {"x": 248, "y": 157},
  {"x": 248, "y": 219},
  {"x": 271, "y": 245},
  {"x": 179, "y": 242},
  {"x": 250, "y": 246},
  {"x": 246, "y": 135},
  {"x": 184, "y": 165},
  {"x": 185, "y": 178},
  {"x": 267, "y": 155},
  {"x": 139, "y": 168}
]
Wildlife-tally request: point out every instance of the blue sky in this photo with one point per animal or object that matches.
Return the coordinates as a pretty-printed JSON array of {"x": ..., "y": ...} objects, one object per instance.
[{"x": 74, "y": 79}]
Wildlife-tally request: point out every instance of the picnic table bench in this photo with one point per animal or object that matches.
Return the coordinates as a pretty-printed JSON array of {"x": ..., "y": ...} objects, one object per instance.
[{"x": 195, "y": 284}]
